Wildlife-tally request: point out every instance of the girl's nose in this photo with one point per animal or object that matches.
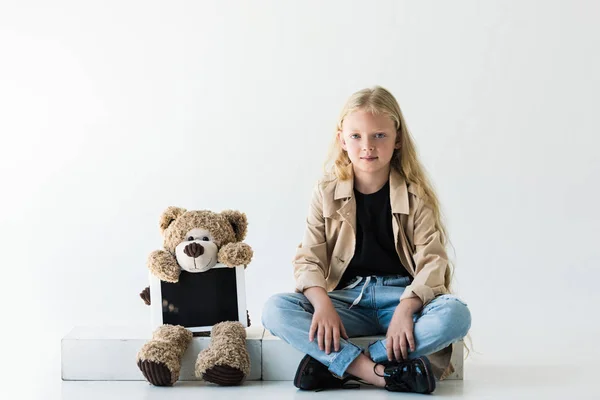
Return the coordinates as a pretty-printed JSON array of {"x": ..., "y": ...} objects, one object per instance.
[{"x": 368, "y": 146}]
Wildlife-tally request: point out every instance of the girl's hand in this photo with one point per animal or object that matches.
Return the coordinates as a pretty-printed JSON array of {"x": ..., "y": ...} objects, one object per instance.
[
  {"x": 399, "y": 336},
  {"x": 327, "y": 325}
]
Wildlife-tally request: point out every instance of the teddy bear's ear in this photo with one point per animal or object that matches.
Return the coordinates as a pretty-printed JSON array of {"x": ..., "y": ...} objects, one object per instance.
[
  {"x": 170, "y": 215},
  {"x": 238, "y": 222}
]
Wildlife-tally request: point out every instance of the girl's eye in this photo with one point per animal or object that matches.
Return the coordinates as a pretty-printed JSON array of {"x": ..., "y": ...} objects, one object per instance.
[
  {"x": 380, "y": 135},
  {"x": 191, "y": 238},
  {"x": 206, "y": 239},
  {"x": 354, "y": 136}
]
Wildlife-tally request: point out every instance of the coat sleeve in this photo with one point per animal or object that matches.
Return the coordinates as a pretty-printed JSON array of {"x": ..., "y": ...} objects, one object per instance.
[
  {"x": 430, "y": 258},
  {"x": 310, "y": 262}
]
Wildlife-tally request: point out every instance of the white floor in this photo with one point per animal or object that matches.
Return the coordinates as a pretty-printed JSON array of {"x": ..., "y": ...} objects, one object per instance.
[
  {"x": 33, "y": 372},
  {"x": 484, "y": 381}
]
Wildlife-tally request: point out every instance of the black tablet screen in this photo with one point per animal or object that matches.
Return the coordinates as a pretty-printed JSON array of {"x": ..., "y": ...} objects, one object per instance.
[{"x": 201, "y": 299}]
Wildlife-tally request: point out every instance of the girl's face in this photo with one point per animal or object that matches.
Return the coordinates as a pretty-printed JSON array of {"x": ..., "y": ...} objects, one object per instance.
[{"x": 369, "y": 140}]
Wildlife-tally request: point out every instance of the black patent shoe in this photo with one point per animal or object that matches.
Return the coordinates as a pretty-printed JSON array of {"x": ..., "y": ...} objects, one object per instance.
[
  {"x": 312, "y": 375},
  {"x": 409, "y": 376}
]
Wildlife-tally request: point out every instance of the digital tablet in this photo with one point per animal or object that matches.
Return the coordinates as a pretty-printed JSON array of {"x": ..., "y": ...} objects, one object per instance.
[{"x": 200, "y": 300}]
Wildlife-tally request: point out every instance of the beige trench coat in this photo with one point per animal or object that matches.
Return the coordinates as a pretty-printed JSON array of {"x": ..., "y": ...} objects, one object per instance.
[{"x": 330, "y": 239}]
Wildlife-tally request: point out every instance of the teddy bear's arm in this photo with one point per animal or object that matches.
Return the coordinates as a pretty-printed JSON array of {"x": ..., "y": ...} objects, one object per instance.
[
  {"x": 164, "y": 266},
  {"x": 145, "y": 295},
  {"x": 234, "y": 254}
]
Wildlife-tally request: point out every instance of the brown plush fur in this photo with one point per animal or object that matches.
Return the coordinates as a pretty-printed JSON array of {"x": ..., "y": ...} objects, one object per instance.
[
  {"x": 234, "y": 254},
  {"x": 228, "y": 350},
  {"x": 228, "y": 347},
  {"x": 226, "y": 227},
  {"x": 239, "y": 223},
  {"x": 170, "y": 215},
  {"x": 167, "y": 346},
  {"x": 164, "y": 266}
]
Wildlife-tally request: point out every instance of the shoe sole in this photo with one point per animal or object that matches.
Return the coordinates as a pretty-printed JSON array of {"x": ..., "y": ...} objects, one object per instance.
[
  {"x": 301, "y": 367},
  {"x": 430, "y": 377}
]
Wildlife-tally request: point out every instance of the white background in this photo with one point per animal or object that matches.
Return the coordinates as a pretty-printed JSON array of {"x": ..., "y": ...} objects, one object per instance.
[{"x": 111, "y": 111}]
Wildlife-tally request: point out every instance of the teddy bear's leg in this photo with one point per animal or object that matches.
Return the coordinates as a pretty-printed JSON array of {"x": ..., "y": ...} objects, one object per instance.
[
  {"x": 226, "y": 361},
  {"x": 160, "y": 358}
]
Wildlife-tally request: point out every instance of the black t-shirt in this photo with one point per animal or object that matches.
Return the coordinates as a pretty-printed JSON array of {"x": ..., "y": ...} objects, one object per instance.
[{"x": 375, "y": 252}]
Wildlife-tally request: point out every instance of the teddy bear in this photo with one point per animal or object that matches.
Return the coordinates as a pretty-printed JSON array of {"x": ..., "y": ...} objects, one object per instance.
[{"x": 194, "y": 242}]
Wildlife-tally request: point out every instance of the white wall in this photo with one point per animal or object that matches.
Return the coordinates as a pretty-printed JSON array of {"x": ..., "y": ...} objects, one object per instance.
[{"x": 111, "y": 111}]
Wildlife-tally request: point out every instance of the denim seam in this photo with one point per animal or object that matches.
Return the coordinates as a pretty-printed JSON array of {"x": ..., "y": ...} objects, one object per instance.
[
  {"x": 375, "y": 343},
  {"x": 379, "y": 326},
  {"x": 447, "y": 298}
]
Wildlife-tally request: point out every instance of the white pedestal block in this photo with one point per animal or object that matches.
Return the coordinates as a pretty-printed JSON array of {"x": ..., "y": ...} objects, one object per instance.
[{"x": 109, "y": 354}]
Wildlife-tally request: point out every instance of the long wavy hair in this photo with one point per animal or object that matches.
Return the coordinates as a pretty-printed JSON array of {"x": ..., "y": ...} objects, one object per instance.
[{"x": 378, "y": 100}]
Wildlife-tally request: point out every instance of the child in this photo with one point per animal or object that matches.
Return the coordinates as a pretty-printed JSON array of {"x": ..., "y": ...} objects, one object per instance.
[{"x": 372, "y": 261}]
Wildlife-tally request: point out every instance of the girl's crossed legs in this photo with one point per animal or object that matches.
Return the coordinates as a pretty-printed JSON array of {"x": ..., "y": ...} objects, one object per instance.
[{"x": 443, "y": 321}]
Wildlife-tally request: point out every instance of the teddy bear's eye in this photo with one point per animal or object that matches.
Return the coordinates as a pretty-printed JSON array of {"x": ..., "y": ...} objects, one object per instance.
[
  {"x": 191, "y": 238},
  {"x": 205, "y": 238}
]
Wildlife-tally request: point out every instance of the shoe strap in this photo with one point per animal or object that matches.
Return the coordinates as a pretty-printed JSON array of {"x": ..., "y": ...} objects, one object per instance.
[{"x": 375, "y": 370}]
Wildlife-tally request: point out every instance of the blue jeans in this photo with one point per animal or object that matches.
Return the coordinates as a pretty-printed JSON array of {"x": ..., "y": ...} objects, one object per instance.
[{"x": 366, "y": 307}]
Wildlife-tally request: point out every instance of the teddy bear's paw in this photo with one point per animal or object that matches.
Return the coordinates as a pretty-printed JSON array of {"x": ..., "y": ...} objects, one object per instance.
[
  {"x": 226, "y": 361},
  {"x": 160, "y": 358},
  {"x": 234, "y": 254},
  {"x": 159, "y": 363},
  {"x": 164, "y": 266},
  {"x": 156, "y": 373},
  {"x": 224, "y": 375},
  {"x": 145, "y": 295}
]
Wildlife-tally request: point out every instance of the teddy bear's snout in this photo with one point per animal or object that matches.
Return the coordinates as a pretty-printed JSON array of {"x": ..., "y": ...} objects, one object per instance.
[{"x": 193, "y": 250}]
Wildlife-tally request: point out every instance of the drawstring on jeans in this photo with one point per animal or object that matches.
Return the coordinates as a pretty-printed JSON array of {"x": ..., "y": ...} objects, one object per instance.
[{"x": 357, "y": 300}]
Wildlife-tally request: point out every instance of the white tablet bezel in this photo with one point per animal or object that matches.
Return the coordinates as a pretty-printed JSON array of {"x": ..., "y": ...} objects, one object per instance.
[{"x": 156, "y": 300}]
